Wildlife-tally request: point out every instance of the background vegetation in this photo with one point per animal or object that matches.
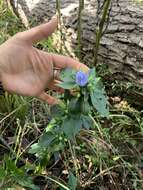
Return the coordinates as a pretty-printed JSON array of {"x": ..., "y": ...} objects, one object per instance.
[{"x": 107, "y": 156}]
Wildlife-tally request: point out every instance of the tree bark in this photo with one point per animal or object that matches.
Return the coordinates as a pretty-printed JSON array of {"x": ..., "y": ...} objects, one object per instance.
[{"x": 121, "y": 47}]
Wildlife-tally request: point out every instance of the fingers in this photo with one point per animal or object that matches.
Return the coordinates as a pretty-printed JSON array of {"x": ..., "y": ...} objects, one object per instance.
[
  {"x": 24, "y": 83},
  {"x": 49, "y": 99},
  {"x": 39, "y": 32},
  {"x": 56, "y": 73},
  {"x": 18, "y": 86},
  {"x": 62, "y": 62},
  {"x": 53, "y": 86}
]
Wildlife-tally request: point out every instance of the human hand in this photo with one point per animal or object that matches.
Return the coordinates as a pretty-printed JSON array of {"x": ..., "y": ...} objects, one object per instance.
[{"x": 27, "y": 71}]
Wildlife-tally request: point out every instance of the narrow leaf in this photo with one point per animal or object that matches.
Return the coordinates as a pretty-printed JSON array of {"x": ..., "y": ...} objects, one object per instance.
[
  {"x": 2, "y": 173},
  {"x": 72, "y": 182}
]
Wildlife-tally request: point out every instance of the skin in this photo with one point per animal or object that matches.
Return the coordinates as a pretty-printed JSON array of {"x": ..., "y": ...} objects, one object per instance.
[{"x": 27, "y": 71}]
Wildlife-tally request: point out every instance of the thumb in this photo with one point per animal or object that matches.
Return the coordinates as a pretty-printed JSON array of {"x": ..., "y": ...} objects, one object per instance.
[{"x": 40, "y": 32}]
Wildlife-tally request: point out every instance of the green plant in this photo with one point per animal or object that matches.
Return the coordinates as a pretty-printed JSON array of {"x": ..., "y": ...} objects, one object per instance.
[
  {"x": 73, "y": 114},
  {"x": 9, "y": 23},
  {"x": 75, "y": 111},
  {"x": 78, "y": 128},
  {"x": 11, "y": 175},
  {"x": 9, "y": 103}
]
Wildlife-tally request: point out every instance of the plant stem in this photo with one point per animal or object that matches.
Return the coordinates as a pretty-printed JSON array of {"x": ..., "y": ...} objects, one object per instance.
[
  {"x": 7, "y": 145},
  {"x": 100, "y": 29},
  {"x": 79, "y": 35},
  {"x": 74, "y": 159},
  {"x": 58, "y": 12}
]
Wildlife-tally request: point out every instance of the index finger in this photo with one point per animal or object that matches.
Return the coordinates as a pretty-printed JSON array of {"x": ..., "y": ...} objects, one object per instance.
[
  {"x": 63, "y": 62},
  {"x": 40, "y": 32}
]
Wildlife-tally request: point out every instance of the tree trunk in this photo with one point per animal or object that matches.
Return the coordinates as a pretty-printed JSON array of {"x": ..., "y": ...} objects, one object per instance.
[{"x": 121, "y": 47}]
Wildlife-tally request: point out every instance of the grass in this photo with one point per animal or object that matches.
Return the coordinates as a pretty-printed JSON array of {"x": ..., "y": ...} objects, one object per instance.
[{"x": 108, "y": 156}]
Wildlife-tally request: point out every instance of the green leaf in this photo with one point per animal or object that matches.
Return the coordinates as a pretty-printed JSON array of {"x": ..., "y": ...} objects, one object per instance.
[
  {"x": 74, "y": 106},
  {"x": 85, "y": 107},
  {"x": 99, "y": 101},
  {"x": 35, "y": 148},
  {"x": 57, "y": 111},
  {"x": 79, "y": 106},
  {"x": 71, "y": 126},
  {"x": 87, "y": 122},
  {"x": 72, "y": 182},
  {"x": 67, "y": 85},
  {"x": 56, "y": 146},
  {"x": 2, "y": 173},
  {"x": 46, "y": 139},
  {"x": 68, "y": 75},
  {"x": 27, "y": 182},
  {"x": 92, "y": 73},
  {"x": 63, "y": 187},
  {"x": 11, "y": 167}
]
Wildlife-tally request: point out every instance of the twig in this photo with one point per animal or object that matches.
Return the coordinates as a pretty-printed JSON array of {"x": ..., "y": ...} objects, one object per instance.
[
  {"x": 79, "y": 32},
  {"x": 100, "y": 29}
]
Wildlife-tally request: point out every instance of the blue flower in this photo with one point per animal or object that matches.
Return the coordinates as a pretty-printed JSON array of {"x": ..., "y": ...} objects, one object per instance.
[{"x": 81, "y": 78}]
